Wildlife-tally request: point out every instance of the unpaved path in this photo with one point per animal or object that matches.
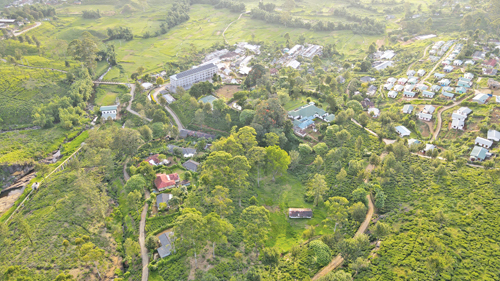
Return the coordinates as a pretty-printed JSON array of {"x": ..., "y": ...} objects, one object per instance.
[
  {"x": 43, "y": 68},
  {"x": 37, "y": 24},
  {"x": 338, "y": 260},
  {"x": 440, "y": 119},
  {"x": 176, "y": 118},
  {"x": 438, "y": 63},
  {"x": 224, "y": 32},
  {"x": 142, "y": 227},
  {"x": 129, "y": 107},
  {"x": 411, "y": 65}
]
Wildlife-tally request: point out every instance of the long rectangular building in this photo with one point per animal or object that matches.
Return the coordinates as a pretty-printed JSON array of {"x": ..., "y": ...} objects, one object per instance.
[{"x": 190, "y": 77}]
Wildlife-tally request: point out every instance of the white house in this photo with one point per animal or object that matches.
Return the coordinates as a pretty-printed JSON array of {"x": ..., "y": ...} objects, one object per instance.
[
  {"x": 410, "y": 73},
  {"x": 392, "y": 80},
  {"x": 478, "y": 153},
  {"x": 481, "y": 98},
  {"x": 402, "y": 81},
  {"x": 109, "y": 112},
  {"x": 493, "y": 135},
  {"x": 483, "y": 142},
  {"x": 398, "y": 88},
  {"x": 408, "y": 94},
  {"x": 392, "y": 94},
  {"x": 425, "y": 116},
  {"x": 147, "y": 85},
  {"x": 464, "y": 111},
  {"x": 457, "y": 124},
  {"x": 388, "y": 86},
  {"x": 458, "y": 116},
  {"x": 374, "y": 112},
  {"x": 427, "y": 94},
  {"x": 408, "y": 108},
  {"x": 421, "y": 72},
  {"x": 403, "y": 131},
  {"x": 429, "y": 109}
]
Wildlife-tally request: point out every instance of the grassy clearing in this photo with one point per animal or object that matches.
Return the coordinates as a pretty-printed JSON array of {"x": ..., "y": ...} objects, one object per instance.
[{"x": 107, "y": 94}]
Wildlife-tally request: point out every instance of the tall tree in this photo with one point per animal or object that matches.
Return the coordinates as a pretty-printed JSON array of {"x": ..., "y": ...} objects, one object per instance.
[
  {"x": 257, "y": 155},
  {"x": 317, "y": 188},
  {"x": 277, "y": 160},
  {"x": 220, "y": 201},
  {"x": 189, "y": 230},
  {"x": 337, "y": 211},
  {"x": 217, "y": 228},
  {"x": 255, "y": 224}
]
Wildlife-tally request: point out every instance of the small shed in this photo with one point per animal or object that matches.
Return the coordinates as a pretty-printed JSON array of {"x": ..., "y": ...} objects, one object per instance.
[{"x": 300, "y": 213}]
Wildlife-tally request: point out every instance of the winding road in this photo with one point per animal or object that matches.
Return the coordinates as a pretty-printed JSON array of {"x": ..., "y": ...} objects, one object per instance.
[
  {"x": 129, "y": 106},
  {"x": 142, "y": 227},
  {"x": 440, "y": 119},
  {"x": 37, "y": 24},
  {"x": 176, "y": 118}
]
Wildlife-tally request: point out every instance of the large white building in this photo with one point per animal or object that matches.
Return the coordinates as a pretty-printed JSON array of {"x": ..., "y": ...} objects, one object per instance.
[{"x": 187, "y": 78}]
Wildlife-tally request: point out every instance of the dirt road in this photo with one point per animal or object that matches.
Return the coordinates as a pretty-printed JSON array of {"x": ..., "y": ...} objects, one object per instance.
[
  {"x": 37, "y": 24},
  {"x": 129, "y": 107},
  {"x": 176, "y": 118},
  {"x": 440, "y": 119}
]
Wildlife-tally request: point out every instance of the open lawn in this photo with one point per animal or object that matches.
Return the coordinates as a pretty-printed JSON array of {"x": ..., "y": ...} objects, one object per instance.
[{"x": 108, "y": 94}]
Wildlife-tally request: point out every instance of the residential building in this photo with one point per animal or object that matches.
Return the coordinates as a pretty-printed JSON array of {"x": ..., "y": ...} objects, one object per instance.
[
  {"x": 460, "y": 90},
  {"x": 413, "y": 80},
  {"x": 408, "y": 108},
  {"x": 367, "y": 103},
  {"x": 469, "y": 62},
  {"x": 493, "y": 135},
  {"x": 425, "y": 116},
  {"x": 371, "y": 90},
  {"x": 163, "y": 182},
  {"x": 413, "y": 142},
  {"x": 188, "y": 78},
  {"x": 410, "y": 73},
  {"x": 447, "y": 89},
  {"x": 439, "y": 75},
  {"x": 168, "y": 98},
  {"x": 300, "y": 213},
  {"x": 421, "y": 72},
  {"x": 309, "y": 111},
  {"x": 153, "y": 160},
  {"x": 448, "y": 95},
  {"x": 312, "y": 50},
  {"x": 402, "y": 81},
  {"x": 408, "y": 94},
  {"x": 402, "y": 131},
  {"x": 422, "y": 87},
  {"x": 463, "y": 83},
  {"x": 427, "y": 94},
  {"x": 448, "y": 69},
  {"x": 483, "y": 142},
  {"x": 458, "y": 116},
  {"x": 478, "y": 154},
  {"x": 166, "y": 242},
  {"x": 163, "y": 198},
  {"x": 429, "y": 109},
  {"x": 392, "y": 80},
  {"x": 457, "y": 124},
  {"x": 492, "y": 84},
  {"x": 366, "y": 79},
  {"x": 429, "y": 147},
  {"x": 380, "y": 65},
  {"x": 388, "y": 86},
  {"x": 293, "y": 64},
  {"x": 490, "y": 71},
  {"x": 457, "y": 62},
  {"x": 444, "y": 82},
  {"x": 409, "y": 87},
  {"x": 435, "y": 88},
  {"x": 392, "y": 94},
  {"x": 191, "y": 165},
  {"x": 481, "y": 98},
  {"x": 469, "y": 76},
  {"x": 374, "y": 112},
  {"x": 109, "y": 112},
  {"x": 398, "y": 88},
  {"x": 185, "y": 152},
  {"x": 464, "y": 111},
  {"x": 184, "y": 133}
]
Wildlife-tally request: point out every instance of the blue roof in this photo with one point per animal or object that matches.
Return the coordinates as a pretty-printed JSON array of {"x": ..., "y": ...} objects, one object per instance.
[
  {"x": 446, "y": 94},
  {"x": 411, "y": 94},
  {"x": 304, "y": 122},
  {"x": 427, "y": 93},
  {"x": 479, "y": 152},
  {"x": 210, "y": 99},
  {"x": 109, "y": 107}
]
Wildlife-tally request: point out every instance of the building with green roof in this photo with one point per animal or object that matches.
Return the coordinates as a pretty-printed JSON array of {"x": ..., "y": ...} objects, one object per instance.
[{"x": 109, "y": 112}]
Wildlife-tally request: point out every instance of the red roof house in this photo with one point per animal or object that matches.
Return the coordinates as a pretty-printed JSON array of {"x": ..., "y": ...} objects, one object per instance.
[
  {"x": 173, "y": 177},
  {"x": 491, "y": 62},
  {"x": 162, "y": 182}
]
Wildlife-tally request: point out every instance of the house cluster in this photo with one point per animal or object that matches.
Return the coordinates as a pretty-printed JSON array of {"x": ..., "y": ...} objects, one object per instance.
[
  {"x": 458, "y": 118},
  {"x": 409, "y": 86},
  {"x": 450, "y": 61},
  {"x": 303, "y": 117},
  {"x": 440, "y": 48},
  {"x": 154, "y": 160},
  {"x": 488, "y": 64},
  {"x": 481, "y": 145},
  {"x": 289, "y": 58},
  {"x": 426, "y": 113},
  {"x": 383, "y": 59},
  {"x": 462, "y": 86}
]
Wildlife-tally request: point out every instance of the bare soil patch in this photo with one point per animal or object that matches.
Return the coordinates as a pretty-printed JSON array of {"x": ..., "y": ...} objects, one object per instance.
[{"x": 227, "y": 91}]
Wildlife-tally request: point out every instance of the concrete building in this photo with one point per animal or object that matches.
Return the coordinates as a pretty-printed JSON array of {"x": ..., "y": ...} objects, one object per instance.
[
  {"x": 190, "y": 77},
  {"x": 109, "y": 112}
]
